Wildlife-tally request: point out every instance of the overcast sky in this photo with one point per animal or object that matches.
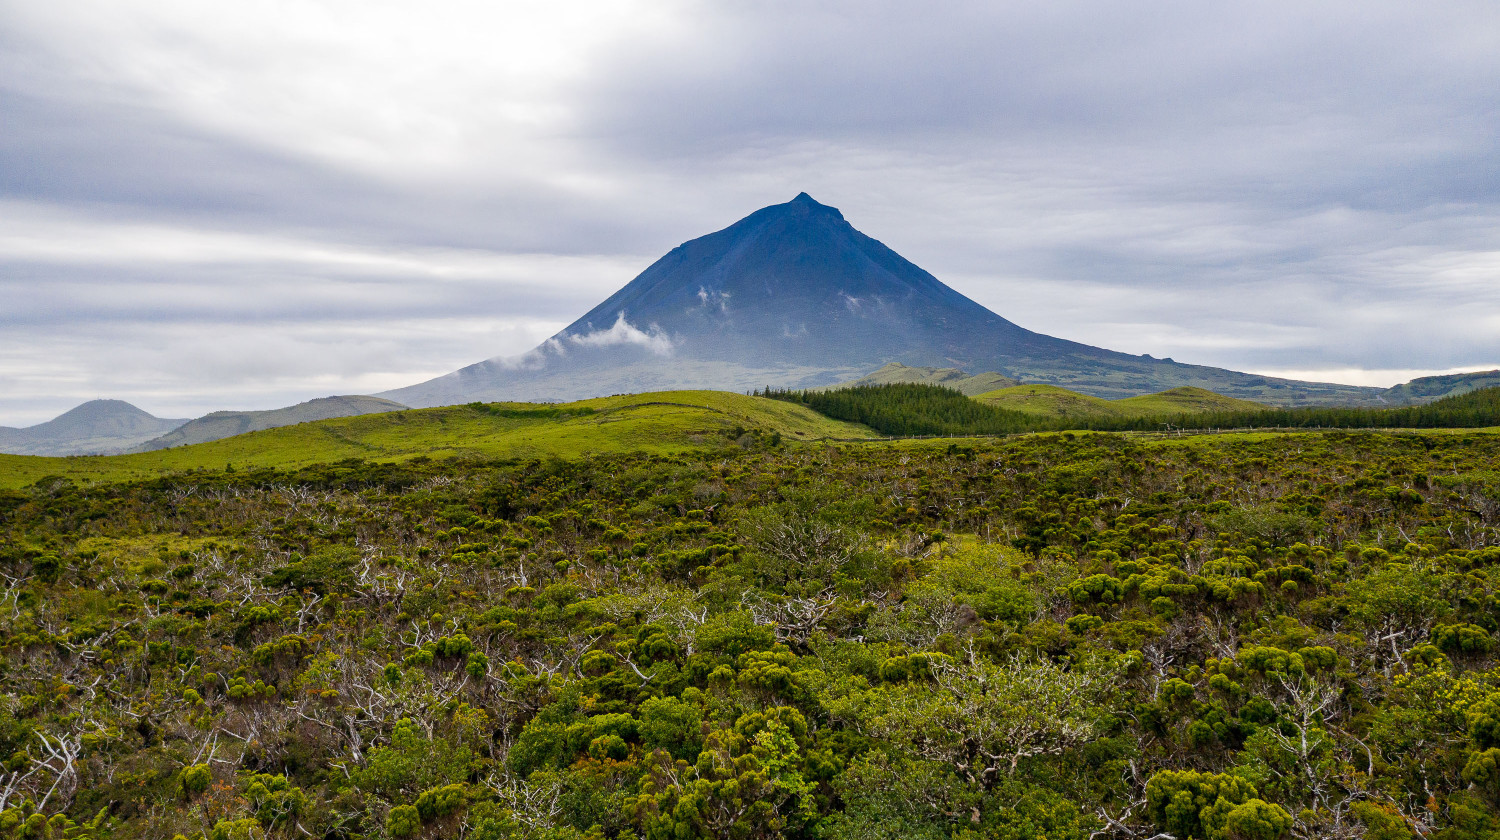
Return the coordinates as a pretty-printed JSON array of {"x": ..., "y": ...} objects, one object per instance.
[{"x": 245, "y": 205}]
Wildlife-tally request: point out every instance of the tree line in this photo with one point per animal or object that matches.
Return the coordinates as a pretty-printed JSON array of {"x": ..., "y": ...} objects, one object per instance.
[{"x": 906, "y": 409}]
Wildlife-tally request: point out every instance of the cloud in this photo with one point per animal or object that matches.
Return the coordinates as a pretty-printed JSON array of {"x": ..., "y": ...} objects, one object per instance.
[
  {"x": 44, "y": 234},
  {"x": 1276, "y": 186},
  {"x": 186, "y": 320},
  {"x": 186, "y": 368},
  {"x": 1365, "y": 376},
  {"x": 717, "y": 299},
  {"x": 623, "y": 333}
]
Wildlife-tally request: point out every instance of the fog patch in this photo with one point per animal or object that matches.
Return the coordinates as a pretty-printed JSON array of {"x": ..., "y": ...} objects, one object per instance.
[
  {"x": 713, "y": 300},
  {"x": 625, "y": 333}
]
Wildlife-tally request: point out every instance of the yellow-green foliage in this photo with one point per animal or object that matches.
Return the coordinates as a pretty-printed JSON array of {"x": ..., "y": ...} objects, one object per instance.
[
  {"x": 1049, "y": 401},
  {"x": 1054, "y": 401},
  {"x": 1285, "y": 635},
  {"x": 667, "y": 421},
  {"x": 1183, "y": 401}
]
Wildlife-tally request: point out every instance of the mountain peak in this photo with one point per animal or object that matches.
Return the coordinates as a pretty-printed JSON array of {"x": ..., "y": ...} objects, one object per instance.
[
  {"x": 805, "y": 204},
  {"x": 93, "y": 427},
  {"x": 794, "y": 295},
  {"x": 103, "y": 409}
]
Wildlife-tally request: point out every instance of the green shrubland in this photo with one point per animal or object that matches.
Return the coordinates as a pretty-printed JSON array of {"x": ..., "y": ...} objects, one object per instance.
[{"x": 1059, "y": 636}]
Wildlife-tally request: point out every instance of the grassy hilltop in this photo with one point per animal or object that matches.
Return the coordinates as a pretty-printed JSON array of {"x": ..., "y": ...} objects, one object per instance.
[
  {"x": 668, "y": 421},
  {"x": 1054, "y": 401}
]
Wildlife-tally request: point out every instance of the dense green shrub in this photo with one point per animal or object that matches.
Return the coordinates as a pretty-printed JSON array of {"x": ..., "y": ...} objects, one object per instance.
[{"x": 1216, "y": 637}]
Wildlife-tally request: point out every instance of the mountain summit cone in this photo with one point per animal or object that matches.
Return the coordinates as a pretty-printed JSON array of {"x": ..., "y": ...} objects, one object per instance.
[
  {"x": 793, "y": 296},
  {"x": 795, "y": 284},
  {"x": 93, "y": 427}
]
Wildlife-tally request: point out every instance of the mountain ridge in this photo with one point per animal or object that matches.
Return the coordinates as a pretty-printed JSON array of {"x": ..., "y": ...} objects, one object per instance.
[
  {"x": 1429, "y": 388},
  {"x": 222, "y": 424}
]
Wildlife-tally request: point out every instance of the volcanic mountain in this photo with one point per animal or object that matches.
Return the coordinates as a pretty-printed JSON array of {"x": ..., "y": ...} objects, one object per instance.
[
  {"x": 793, "y": 295},
  {"x": 97, "y": 426}
]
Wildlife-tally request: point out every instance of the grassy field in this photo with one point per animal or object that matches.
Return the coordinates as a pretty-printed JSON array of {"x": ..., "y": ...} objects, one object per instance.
[
  {"x": 669, "y": 421},
  {"x": 1053, "y": 401}
]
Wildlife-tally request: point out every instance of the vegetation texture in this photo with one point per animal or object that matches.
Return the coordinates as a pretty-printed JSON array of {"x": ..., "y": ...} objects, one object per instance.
[
  {"x": 1052, "y": 401},
  {"x": 906, "y": 409},
  {"x": 920, "y": 409},
  {"x": 1045, "y": 636}
]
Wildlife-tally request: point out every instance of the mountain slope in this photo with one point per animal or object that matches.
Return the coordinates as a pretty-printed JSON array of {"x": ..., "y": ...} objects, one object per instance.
[
  {"x": 1429, "y": 388},
  {"x": 97, "y": 426},
  {"x": 792, "y": 295},
  {"x": 223, "y": 424}
]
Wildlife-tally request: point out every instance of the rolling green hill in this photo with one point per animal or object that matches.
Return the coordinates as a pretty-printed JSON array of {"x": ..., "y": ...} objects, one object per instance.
[
  {"x": 670, "y": 421},
  {"x": 1183, "y": 401},
  {"x": 1052, "y": 401},
  {"x": 94, "y": 427},
  {"x": 1049, "y": 401}
]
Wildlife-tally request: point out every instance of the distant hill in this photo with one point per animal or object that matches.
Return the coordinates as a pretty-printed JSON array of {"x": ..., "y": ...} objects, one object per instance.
[
  {"x": 95, "y": 427},
  {"x": 895, "y": 373},
  {"x": 1429, "y": 388},
  {"x": 1475, "y": 409},
  {"x": 1052, "y": 401},
  {"x": 793, "y": 296},
  {"x": 223, "y": 424}
]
